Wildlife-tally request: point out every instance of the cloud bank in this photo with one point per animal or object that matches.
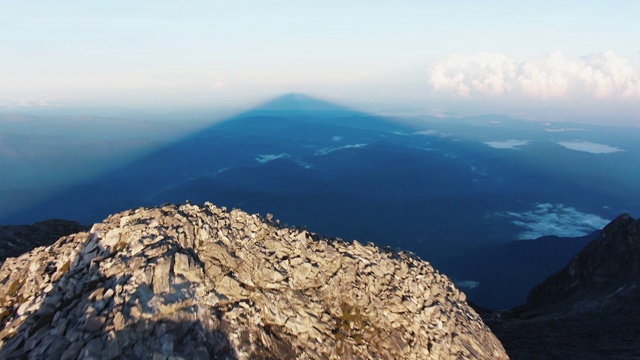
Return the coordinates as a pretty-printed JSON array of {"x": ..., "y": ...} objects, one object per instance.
[
  {"x": 265, "y": 158},
  {"x": 325, "y": 151},
  {"x": 602, "y": 76},
  {"x": 586, "y": 146},
  {"x": 555, "y": 219},
  {"x": 509, "y": 144}
]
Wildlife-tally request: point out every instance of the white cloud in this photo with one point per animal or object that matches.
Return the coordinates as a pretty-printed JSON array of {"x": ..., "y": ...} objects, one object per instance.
[
  {"x": 304, "y": 164},
  {"x": 477, "y": 171},
  {"x": 218, "y": 84},
  {"x": 484, "y": 72},
  {"x": 42, "y": 100},
  {"x": 467, "y": 284},
  {"x": 263, "y": 159},
  {"x": 586, "y": 146},
  {"x": 325, "y": 151},
  {"x": 509, "y": 144},
  {"x": 427, "y": 132},
  {"x": 554, "y": 75},
  {"x": 557, "y": 129},
  {"x": 555, "y": 219}
]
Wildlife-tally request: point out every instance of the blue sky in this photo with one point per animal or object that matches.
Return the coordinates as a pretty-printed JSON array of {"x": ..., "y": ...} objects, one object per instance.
[{"x": 569, "y": 60}]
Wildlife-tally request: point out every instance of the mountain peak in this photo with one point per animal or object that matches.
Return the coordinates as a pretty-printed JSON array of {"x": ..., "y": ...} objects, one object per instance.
[
  {"x": 202, "y": 282},
  {"x": 607, "y": 265},
  {"x": 300, "y": 102}
]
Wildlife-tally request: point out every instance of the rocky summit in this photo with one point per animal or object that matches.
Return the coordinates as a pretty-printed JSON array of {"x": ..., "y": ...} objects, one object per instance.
[{"x": 190, "y": 282}]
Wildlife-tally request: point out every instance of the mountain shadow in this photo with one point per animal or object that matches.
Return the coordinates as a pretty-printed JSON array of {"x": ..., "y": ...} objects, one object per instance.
[
  {"x": 226, "y": 144},
  {"x": 339, "y": 171},
  {"x": 310, "y": 162}
]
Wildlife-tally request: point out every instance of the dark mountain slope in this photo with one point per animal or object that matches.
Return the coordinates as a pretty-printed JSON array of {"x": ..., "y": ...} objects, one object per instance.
[
  {"x": 588, "y": 310},
  {"x": 501, "y": 276},
  {"x": 342, "y": 173},
  {"x": 608, "y": 266},
  {"x": 18, "y": 239}
]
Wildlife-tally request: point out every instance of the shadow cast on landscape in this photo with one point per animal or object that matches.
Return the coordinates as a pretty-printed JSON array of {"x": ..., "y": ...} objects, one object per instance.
[{"x": 142, "y": 182}]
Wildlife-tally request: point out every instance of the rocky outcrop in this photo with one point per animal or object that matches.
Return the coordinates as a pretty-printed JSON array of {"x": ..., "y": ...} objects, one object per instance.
[
  {"x": 588, "y": 310},
  {"x": 201, "y": 282},
  {"x": 16, "y": 240},
  {"x": 609, "y": 264}
]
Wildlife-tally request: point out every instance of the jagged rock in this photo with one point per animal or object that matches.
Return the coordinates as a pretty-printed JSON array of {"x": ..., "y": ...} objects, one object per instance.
[{"x": 202, "y": 282}]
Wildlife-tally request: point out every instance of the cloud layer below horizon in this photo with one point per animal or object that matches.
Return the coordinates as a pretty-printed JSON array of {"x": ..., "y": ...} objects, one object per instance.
[
  {"x": 590, "y": 147},
  {"x": 554, "y": 219}
]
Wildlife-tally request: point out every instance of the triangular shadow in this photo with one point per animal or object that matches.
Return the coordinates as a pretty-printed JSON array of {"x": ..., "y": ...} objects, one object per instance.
[{"x": 202, "y": 153}]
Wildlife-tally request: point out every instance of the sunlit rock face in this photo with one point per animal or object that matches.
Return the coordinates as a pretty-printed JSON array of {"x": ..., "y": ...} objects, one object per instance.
[{"x": 202, "y": 282}]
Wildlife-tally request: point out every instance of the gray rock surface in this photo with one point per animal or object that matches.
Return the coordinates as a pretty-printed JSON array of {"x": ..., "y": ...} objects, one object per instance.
[{"x": 189, "y": 282}]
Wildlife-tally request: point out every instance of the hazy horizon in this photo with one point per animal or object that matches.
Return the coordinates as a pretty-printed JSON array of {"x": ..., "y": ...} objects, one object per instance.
[
  {"x": 201, "y": 115},
  {"x": 546, "y": 61}
]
